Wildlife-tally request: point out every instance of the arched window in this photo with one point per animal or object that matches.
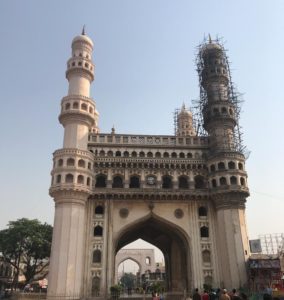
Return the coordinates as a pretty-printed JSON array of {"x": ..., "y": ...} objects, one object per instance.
[
  {"x": 84, "y": 106},
  {"x": 134, "y": 154},
  {"x": 96, "y": 282},
  {"x": 67, "y": 106},
  {"x": 88, "y": 181},
  {"x": 90, "y": 110},
  {"x": 98, "y": 231},
  {"x": 102, "y": 153},
  {"x": 183, "y": 182},
  {"x": 117, "y": 182},
  {"x": 233, "y": 180},
  {"x": 166, "y": 154},
  {"x": 75, "y": 105},
  {"x": 166, "y": 182},
  {"x": 69, "y": 178},
  {"x": 240, "y": 165},
  {"x": 89, "y": 166},
  {"x": 80, "y": 179},
  {"x": 158, "y": 154},
  {"x": 149, "y": 154},
  {"x": 208, "y": 280},
  {"x": 97, "y": 256},
  {"x": 126, "y": 154},
  {"x": 60, "y": 162},
  {"x": 58, "y": 178},
  {"x": 243, "y": 182},
  {"x": 231, "y": 165},
  {"x": 110, "y": 153},
  {"x": 70, "y": 162},
  {"x": 189, "y": 155},
  {"x": 101, "y": 181},
  {"x": 204, "y": 232},
  {"x": 223, "y": 110},
  {"x": 202, "y": 211},
  {"x": 214, "y": 183},
  {"x": 199, "y": 182},
  {"x": 141, "y": 154},
  {"x": 174, "y": 155},
  {"x": 99, "y": 210},
  {"x": 134, "y": 182},
  {"x": 181, "y": 155},
  {"x": 212, "y": 168},
  {"x": 117, "y": 153},
  {"x": 206, "y": 256},
  {"x": 221, "y": 166},
  {"x": 223, "y": 181},
  {"x": 148, "y": 261},
  {"x": 81, "y": 163}
]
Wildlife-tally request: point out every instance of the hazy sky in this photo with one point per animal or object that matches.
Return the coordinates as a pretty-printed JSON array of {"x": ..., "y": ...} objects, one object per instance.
[{"x": 144, "y": 55}]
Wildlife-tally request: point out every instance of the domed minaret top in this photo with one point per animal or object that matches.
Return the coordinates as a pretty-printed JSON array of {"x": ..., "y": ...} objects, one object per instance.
[
  {"x": 78, "y": 111},
  {"x": 185, "y": 123}
]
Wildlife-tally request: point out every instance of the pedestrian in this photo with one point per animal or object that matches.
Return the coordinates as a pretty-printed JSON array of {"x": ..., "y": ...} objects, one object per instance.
[
  {"x": 196, "y": 295},
  {"x": 234, "y": 295},
  {"x": 205, "y": 295},
  {"x": 224, "y": 295}
]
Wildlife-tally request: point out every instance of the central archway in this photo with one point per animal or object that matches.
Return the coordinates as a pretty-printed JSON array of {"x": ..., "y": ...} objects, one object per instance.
[{"x": 173, "y": 243}]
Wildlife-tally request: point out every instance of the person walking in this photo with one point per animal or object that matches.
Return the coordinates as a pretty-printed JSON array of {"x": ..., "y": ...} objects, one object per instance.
[
  {"x": 196, "y": 295},
  {"x": 224, "y": 295}
]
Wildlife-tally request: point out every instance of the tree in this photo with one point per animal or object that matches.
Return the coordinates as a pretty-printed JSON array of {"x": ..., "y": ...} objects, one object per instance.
[
  {"x": 128, "y": 280},
  {"x": 26, "y": 245}
]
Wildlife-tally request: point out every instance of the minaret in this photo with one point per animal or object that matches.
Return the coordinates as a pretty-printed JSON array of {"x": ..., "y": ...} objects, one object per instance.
[
  {"x": 72, "y": 174},
  {"x": 226, "y": 162},
  {"x": 185, "y": 123}
]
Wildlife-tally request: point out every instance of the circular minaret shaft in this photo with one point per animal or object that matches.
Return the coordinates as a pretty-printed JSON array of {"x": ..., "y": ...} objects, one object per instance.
[
  {"x": 72, "y": 175},
  {"x": 227, "y": 176}
]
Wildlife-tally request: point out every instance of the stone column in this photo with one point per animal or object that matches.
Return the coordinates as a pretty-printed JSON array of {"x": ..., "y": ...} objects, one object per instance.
[
  {"x": 232, "y": 245},
  {"x": 66, "y": 263}
]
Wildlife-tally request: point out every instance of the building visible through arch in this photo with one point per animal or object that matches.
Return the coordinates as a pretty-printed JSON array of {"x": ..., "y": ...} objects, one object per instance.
[
  {"x": 183, "y": 193},
  {"x": 145, "y": 258}
]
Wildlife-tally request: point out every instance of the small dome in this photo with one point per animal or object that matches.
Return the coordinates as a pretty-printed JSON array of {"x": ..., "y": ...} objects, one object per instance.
[
  {"x": 184, "y": 111},
  {"x": 82, "y": 38},
  {"x": 211, "y": 46}
]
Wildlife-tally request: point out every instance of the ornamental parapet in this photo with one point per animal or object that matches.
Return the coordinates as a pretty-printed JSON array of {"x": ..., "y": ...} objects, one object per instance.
[
  {"x": 71, "y": 187},
  {"x": 149, "y": 194},
  {"x": 74, "y": 152},
  {"x": 231, "y": 200},
  {"x": 148, "y": 140}
]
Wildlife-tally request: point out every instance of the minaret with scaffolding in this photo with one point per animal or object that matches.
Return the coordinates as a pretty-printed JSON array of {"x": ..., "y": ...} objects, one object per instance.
[{"x": 219, "y": 109}]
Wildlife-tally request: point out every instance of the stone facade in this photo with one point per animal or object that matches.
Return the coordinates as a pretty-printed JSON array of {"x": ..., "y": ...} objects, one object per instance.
[{"x": 183, "y": 193}]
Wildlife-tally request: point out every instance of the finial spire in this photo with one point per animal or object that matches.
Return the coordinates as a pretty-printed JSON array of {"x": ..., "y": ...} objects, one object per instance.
[
  {"x": 83, "y": 30},
  {"x": 209, "y": 37}
]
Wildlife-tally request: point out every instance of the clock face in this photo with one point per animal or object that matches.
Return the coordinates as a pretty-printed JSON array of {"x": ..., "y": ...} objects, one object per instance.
[{"x": 151, "y": 180}]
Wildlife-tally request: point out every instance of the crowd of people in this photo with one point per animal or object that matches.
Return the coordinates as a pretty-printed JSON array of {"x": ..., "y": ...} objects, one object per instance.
[{"x": 219, "y": 295}]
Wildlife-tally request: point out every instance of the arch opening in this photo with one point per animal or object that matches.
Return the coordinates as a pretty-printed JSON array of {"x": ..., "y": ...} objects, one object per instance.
[{"x": 172, "y": 242}]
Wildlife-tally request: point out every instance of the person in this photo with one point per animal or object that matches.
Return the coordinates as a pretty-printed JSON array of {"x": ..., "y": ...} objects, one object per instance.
[
  {"x": 224, "y": 295},
  {"x": 205, "y": 295},
  {"x": 213, "y": 295},
  {"x": 234, "y": 295},
  {"x": 196, "y": 295}
]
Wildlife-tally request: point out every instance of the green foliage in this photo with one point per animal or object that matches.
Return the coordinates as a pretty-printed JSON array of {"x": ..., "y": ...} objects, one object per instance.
[
  {"x": 156, "y": 287},
  {"x": 128, "y": 280},
  {"x": 26, "y": 245},
  {"x": 115, "y": 291}
]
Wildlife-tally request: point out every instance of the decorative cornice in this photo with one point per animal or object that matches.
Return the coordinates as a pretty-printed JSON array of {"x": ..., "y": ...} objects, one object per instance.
[
  {"x": 229, "y": 200},
  {"x": 77, "y": 116}
]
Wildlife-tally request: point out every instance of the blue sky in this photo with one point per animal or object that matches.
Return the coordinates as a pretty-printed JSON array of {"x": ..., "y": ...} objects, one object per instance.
[{"x": 144, "y": 55}]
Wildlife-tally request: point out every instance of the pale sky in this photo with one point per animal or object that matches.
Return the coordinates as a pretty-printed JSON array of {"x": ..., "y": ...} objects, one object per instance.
[{"x": 144, "y": 55}]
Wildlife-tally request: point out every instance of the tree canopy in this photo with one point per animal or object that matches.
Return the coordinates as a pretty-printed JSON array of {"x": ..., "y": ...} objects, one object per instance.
[
  {"x": 128, "y": 280},
  {"x": 26, "y": 245}
]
